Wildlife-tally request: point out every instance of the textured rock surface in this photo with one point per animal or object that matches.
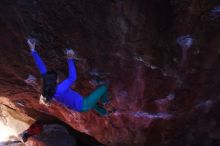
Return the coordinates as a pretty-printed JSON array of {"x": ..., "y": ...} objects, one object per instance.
[{"x": 132, "y": 45}]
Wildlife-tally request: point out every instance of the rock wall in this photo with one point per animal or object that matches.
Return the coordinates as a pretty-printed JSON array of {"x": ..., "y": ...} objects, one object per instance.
[{"x": 130, "y": 44}]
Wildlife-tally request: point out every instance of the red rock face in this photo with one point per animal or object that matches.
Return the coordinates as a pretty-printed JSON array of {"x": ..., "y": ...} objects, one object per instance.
[{"x": 132, "y": 45}]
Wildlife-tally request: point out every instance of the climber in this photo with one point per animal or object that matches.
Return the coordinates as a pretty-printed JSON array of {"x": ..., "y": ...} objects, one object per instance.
[{"x": 62, "y": 92}]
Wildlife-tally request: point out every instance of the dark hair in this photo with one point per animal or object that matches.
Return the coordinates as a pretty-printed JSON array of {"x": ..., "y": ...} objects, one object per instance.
[{"x": 49, "y": 85}]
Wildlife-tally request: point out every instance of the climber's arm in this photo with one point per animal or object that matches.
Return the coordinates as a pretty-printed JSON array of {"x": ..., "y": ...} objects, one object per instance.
[
  {"x": 38, "y": 61},
  {"x": 40, "y": 64},
  {"x": 72, "y": 72},
  {"x": 71, "y": 77}
]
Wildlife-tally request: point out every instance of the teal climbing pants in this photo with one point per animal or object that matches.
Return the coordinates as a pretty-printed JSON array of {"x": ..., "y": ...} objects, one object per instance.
[{"x": 89, "y": 102}]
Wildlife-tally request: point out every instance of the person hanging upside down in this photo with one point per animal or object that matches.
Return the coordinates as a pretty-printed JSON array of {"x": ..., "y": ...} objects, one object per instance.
[{"x": 62, "y": 91}]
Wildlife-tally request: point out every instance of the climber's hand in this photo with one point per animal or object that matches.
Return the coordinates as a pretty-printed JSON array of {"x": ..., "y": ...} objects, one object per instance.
[
  {"x": 32, "y": 43},
  {"x": 70, "y": 54}
]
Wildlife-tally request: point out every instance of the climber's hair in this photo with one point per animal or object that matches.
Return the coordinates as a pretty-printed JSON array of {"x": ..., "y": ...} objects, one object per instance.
[{"x": 49, "y": 85}]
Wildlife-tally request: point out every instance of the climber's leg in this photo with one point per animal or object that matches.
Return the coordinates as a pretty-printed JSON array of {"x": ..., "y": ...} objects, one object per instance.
[{"x": 90, "y": 101}]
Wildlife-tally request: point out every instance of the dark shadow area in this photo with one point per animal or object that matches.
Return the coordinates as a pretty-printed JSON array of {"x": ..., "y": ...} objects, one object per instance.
[{"x": 82, "y": 139}]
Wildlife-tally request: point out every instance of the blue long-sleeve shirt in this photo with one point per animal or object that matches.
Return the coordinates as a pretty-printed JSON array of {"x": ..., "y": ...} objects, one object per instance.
[{"x": 64, "y": 94}]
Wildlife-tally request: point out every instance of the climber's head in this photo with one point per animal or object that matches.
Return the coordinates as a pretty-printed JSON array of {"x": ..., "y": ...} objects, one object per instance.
[{"x": 50, "y": 80}]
